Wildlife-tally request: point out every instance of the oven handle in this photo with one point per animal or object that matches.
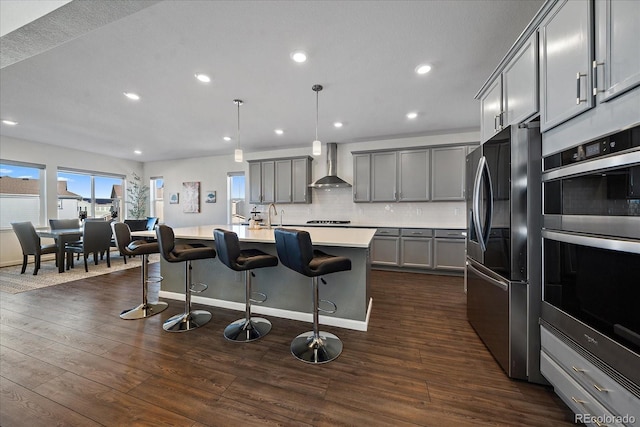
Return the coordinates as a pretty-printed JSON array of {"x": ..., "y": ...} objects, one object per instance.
[
  {"x": 595, "y": 242},
  {"x": 500, "y": 284},
  {"x": 617, "y": 161}
]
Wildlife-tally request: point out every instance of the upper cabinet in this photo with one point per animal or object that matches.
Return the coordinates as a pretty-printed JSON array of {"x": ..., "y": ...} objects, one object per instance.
[
  {"x": 566, "y": 40},
  {"x": 280, "y": 180},
  {"x": 513, "y": 96},
  {"x": 412, "y": 175},
  {"x": 616, "y": 66},
  {"x": 448, "y": 166}
]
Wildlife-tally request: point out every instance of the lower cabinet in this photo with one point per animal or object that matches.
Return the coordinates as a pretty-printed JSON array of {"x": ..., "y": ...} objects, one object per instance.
[
  {"x": 595, "y": 397},
  {"x": 449, "y": 250},
  {"x": 419, "y": 249},
  {"x": 385, "y": 247}
]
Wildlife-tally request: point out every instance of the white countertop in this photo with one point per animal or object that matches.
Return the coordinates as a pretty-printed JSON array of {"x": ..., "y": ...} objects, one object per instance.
[{"x": 320, "y": 236}]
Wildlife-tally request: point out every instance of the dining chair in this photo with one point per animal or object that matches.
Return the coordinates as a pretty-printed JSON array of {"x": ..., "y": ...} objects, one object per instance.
[
  {"x": 96, "y": 239},
  {"x": 31, "y": 245}
]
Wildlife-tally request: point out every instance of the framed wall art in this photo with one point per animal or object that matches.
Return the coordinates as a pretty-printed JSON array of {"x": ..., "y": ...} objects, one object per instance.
[
  {"x": 210, "y": 197},
  {"x": 191, "y": 197},
  {"x": 174, "y": 198}
]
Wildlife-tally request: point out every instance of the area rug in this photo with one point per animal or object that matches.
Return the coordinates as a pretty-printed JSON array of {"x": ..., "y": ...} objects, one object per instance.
[{"x": 11, "y": 281}]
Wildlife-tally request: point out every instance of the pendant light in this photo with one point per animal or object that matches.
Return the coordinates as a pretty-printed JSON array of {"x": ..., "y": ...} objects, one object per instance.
[
  {"x": 238, "y": 152},
  {"x": 317, "y": 145}
]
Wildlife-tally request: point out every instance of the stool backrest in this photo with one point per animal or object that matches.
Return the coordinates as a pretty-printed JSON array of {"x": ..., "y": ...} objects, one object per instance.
[
  {"x": 27, "y": 236},
  {"x": 227, "y": 246},
  {"x": 166, "y": 241},
  {"x": 122, "y": 234},
  {"x": 295, "y": 249}
]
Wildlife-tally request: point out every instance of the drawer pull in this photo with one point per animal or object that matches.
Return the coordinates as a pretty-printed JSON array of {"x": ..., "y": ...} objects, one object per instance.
[
  {"x": 417, "y": 232},
  {"x": 584, "y": 404},
  {"x": 578, "y": 401},
  {"x": 595, "y": 384}
]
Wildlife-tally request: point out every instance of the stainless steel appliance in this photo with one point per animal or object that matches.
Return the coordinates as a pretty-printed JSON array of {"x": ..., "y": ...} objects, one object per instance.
[
  {"x": 591, "y": 252},
  {"x": 328, "y": 221},
  {"x": 503, "y": 248}
]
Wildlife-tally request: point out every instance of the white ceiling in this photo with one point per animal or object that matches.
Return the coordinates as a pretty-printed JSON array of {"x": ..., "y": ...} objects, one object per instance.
[{"x": 63, "y": 76}]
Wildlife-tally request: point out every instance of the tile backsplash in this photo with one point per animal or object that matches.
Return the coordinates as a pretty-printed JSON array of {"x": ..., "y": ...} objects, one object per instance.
[{"x": 337, "y": 204}]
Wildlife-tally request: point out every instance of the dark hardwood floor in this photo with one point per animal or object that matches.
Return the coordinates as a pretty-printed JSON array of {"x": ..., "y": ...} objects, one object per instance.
[{"x": 67, "y": 359}]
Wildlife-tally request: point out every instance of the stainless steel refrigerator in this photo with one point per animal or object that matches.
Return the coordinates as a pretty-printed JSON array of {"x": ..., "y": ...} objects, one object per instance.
[{"x": 503, "y": 266}]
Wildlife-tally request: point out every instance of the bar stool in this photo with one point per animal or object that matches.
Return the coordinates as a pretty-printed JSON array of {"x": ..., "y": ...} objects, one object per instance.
[
  {"x": 129, "y": 247},
  {"x": 190, "y": 319},
  {"x": 228, "y": 246},
  {"x": 296, "y": 252}
]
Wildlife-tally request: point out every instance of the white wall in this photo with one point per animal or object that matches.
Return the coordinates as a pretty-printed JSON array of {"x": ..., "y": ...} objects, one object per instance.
[
  {"x": 53, "y": 157},
  {"x": 212, "y": 171}
]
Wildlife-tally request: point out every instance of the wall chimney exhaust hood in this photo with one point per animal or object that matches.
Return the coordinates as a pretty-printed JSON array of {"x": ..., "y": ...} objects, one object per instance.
[{"x": 331, "y": 180}]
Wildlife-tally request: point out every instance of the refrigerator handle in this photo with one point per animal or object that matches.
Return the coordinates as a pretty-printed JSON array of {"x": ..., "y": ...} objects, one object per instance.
[
  {"x": 476, "y": 203},
  {"x": 489, "y": 218}
]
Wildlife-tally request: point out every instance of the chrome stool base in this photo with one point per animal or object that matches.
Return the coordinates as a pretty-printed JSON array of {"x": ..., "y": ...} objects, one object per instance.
[
  {"x": 144, "y": 310},
  {"x": 317, "y": 350},
  {"x": 187, "y": 321},
  {"x": 243, "y": 331}
]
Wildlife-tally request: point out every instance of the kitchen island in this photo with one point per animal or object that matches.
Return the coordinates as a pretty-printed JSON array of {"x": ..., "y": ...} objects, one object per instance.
[{"x": 288, "y": 293}]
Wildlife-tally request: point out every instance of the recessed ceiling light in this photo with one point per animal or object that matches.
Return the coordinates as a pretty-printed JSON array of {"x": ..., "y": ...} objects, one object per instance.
[
  {"x": 9, "y": 122},
  {"x": 412, "y": 115},
  {"x": 337, "y": 124},
  {"x": 299, "y": 56},
  {"x": 203, "y": 77},
  {"x": 132, "y": 96},
  {"x": 279, "y": 131},
  {"x": 138, "y": 152},
  {"x": 227, "y": 138},
  {"x": 423, "y": 69}
]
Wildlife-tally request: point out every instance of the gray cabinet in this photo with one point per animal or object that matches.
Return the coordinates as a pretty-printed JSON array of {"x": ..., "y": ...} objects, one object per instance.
[
  {"x": 268, "y": 181},
  {"x": 520, "y": 83},
  {"x": 582, "y": 385},
  {"x": 449, "y": 252},
  {"x": 255, "y": 182},
  {"x": 616, "y": 66},
  {"x": 513, "y": 96},
  {"x": 566, "y": 40},
  {"x": 385, "y": 247},
  {"x": 414, "y": 175},
  {"x": 491, "y": 110},
  {"x": 300, "y": 180},
  {"x": 283, "y": 181},
  {"x": 384, "y": 176},
  {"x": 416, "y": 248},
  {"x": 362, "y": 177},
  {"x": 280, "y": 180},
  {"x": 448, "y": 171}
]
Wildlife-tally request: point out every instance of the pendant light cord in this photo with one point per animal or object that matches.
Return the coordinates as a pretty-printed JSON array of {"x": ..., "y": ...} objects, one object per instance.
[
  {"x": 316, "y": 115},
  {"x": 238, "y": 139}
]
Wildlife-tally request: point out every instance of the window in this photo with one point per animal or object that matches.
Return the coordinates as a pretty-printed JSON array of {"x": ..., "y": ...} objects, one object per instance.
[
  {"x": 21, "y": 193},
  {"x": 236, "y": 194},
  {"x": 157, "y": 197},
  {"x": 83, "y": 194}
]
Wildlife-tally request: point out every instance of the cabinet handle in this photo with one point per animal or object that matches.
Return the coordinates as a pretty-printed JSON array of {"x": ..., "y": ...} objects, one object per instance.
[
  {"x": 597, "y": 64},
  {"x": 584, "y": 404},
  {"x": 416, "y": 232},
  {"x": 591, "y": 380},
  {"x": 495, "y": 125},
  {"x": 579, "y": 76}
]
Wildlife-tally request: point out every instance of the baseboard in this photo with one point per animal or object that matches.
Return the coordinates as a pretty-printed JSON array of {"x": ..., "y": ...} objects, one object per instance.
[{"x": 357, "y": 325}]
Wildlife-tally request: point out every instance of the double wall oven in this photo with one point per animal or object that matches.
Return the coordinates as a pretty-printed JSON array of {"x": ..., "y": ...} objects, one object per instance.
[{"x": 591, "y": 251}]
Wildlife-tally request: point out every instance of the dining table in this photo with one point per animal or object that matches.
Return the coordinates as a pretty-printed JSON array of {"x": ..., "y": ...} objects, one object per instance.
[{"x": 62, "y": 236}]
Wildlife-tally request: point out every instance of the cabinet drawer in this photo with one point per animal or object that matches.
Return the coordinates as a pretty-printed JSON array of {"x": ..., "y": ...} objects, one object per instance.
[
  {"x": 451, "y": 233},
  {"x": 599, "y": 384},
  {"x": 416, "y": 232},
  {"x": 577, "y": 398},
  {"x": 388, "y": 232}
]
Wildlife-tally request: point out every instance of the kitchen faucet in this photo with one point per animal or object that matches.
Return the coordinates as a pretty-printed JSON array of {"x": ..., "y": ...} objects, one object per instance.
[{"x": 275, "y": 212}]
